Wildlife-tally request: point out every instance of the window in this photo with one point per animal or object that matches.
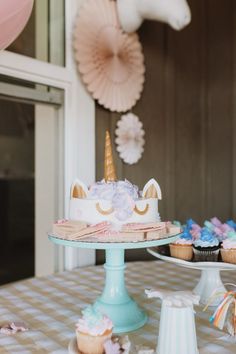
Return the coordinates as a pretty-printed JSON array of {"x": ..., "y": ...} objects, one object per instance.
[
  {"x": 44, "y": 35},
  {"x": 69, "y": 119}
]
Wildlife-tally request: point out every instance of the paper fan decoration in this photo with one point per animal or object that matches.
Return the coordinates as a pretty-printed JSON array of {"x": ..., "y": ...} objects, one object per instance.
[
  {"x": 130, "y": 139},
  {"x": 110, "y": 62}
]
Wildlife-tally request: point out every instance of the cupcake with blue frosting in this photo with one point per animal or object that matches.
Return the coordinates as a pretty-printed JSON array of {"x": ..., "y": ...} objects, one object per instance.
[
  {"x": 182, "y": 247},
  {"x": 206, "y": 247}
]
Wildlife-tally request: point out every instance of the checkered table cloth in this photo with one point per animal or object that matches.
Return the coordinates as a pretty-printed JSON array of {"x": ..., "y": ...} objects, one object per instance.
[{"x": 51, "y": 306}]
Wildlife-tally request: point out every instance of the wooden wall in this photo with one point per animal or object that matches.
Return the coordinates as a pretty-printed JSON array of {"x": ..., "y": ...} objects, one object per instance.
[{"x": 188, "y": 111}]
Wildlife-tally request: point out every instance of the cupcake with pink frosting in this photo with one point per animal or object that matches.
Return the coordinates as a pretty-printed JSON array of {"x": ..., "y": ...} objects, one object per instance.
[
  {"x": 92, "y": 331},
  {"x": 228, "y": 248}
]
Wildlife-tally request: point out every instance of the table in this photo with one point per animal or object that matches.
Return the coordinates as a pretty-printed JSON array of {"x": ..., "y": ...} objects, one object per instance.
[{"x": 51, "y": 306}]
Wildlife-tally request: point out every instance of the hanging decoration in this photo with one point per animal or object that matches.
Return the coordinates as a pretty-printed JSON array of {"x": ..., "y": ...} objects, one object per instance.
[
  {"x": 14, "y": 15},
  {"x": 132, "y": 13},
  {"x": 130, "y": 138},
  {"x": 225, "y": 313},
  {"x": 110, "y": 62}
]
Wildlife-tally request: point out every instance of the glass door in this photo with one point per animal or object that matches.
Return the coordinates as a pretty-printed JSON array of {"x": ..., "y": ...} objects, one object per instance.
[{"x": 31, "y": 176}]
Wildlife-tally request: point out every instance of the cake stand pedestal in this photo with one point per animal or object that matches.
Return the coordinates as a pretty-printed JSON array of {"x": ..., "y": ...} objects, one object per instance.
[
  {"x": 210, "y": 279},
  {"x": 115, "y": 301}
]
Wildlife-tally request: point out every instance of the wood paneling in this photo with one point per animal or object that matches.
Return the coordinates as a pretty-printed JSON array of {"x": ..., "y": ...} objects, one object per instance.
[{"x": 188, "y": 111}]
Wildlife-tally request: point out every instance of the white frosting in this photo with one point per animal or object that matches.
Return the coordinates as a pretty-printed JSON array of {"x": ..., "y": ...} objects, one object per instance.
[
  {"x": 183, "y": 241},
  {"x": 229, "y": 243},
  {"x": 97, "y": 330},
  {"x": 86, "y": 210}
]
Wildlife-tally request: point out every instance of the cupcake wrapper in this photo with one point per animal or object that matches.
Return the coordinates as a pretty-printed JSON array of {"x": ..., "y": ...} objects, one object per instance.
[
  {"x": 228, "y": 255},
  {"x": 199, "y": 248},
  {"x": 206, "y": 255},
  {"x": 181, "y": 252},
  {"x": 91, "y": 344}
]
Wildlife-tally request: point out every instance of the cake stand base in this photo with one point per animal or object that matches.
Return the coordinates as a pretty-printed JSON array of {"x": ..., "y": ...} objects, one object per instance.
[
  {"x": 210, "y": 280},
  {"x": 115, "y": 301}
]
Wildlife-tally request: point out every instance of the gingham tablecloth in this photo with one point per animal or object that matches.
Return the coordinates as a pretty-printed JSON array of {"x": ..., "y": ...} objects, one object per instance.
[{"x": 52, "y": 305}]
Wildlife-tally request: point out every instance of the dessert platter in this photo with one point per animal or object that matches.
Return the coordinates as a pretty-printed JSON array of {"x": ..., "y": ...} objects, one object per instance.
[
  {"x": 209, "y": 249},
  {"x": 114, "y": 216}
]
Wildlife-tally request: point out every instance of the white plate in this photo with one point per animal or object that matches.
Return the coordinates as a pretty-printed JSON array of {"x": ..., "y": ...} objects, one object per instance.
[
  {"x": 193, "y": 265},
  {"x": 72, "y": 347}
]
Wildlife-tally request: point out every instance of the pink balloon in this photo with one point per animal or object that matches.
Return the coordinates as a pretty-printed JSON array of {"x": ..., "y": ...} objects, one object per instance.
[{"x": 14, "y": 15}]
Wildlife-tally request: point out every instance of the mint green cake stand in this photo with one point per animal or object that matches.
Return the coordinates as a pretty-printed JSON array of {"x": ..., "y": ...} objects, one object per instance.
[{"x": 115, "y": 301}]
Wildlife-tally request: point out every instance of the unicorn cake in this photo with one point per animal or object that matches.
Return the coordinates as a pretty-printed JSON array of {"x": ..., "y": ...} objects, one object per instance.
[
  {"x": 118, "y": 202},
  {"x": 113, "y": 210}
]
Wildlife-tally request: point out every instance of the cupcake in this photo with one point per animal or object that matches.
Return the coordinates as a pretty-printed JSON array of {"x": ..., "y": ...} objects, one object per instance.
[
  {"x": 228, "y": 248},
  {"x": 92, "y": 331},
  {"x": 206, "y": 247},
  {"x": 182, "y": 247}
]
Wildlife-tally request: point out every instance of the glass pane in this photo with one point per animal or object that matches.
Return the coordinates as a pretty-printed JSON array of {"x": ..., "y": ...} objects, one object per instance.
[
  {"x": 16, "y": 190},
  {"x": 43, "y": 36},
  {"x": 30, "y": 124}
]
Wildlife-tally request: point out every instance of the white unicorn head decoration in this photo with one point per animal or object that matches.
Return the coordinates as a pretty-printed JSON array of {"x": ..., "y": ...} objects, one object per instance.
[{"x": 132, "y": 13}]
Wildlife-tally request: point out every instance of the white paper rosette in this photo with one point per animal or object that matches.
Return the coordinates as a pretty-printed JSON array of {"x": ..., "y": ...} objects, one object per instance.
[{"x": 129, "y": 138}]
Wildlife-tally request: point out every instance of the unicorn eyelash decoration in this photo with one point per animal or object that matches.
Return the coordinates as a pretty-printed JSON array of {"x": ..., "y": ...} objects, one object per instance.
[
  {"x": 118, "y": 202},
  {"x": 132, "y": 13}
]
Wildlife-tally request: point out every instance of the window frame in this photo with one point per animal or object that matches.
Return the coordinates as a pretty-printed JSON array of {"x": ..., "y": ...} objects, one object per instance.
[{"x": 79, "y": 119}]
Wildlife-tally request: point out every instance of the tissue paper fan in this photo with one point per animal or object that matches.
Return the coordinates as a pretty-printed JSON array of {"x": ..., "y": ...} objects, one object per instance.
[
  {"x": 130, "y": 138},
  {"x": 110, "y": 61}
]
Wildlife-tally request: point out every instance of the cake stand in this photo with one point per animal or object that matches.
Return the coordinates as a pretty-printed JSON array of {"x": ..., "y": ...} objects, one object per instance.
[
  {"x": 210, "y": 279},
  {"x": 115, "y": 301}
]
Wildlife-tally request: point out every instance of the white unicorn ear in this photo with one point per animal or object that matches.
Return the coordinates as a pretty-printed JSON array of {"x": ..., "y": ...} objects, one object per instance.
[
  {"x": 152, "y": 190},
  {"x": 78, "y": 190}
]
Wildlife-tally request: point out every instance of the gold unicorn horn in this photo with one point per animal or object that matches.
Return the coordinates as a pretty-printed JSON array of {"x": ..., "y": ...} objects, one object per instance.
[{"x": 109, "y": 168}]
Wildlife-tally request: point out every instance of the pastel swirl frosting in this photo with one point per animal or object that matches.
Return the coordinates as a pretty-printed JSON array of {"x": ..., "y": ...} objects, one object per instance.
[
  {"x": 195, "y": 231},
  {"x": 216, "y": 222},
  {"x": 206, "y": 239},
  {"x": 93, "y": 322},
  {"x": 217, "y": 228},
  {"x": 231, "y": 224},
  {"x": 122, "y": 195},
  {"x": 190, "y": 223},
  {"x": 185, "y": 238},
  {"x": 177, "y": 223},
  {"x": 209, "y": 225},
  {"x": 230, "y": 242}
]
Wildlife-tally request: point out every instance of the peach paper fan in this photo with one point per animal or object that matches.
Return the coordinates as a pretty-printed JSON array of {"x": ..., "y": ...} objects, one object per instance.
[{"x": 111, "y": 62}]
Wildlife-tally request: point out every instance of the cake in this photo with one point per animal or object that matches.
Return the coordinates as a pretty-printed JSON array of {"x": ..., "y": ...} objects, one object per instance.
[
  {"x": 92, "y": 331},
  {"x": 182, "y": 247},
  {"x": 206, "y": 247},
  {"x": 117, "y": 202},
  {"x": 228, "y": 248},
  {"x": 114, "y": 210}
]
